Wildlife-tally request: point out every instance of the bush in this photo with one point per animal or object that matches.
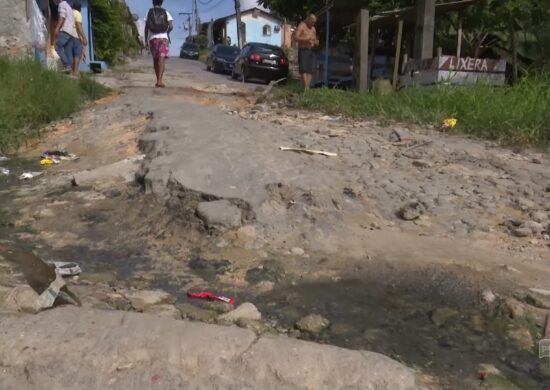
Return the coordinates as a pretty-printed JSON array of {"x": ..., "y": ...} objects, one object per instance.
[
  {"x": 512, "y": 114},
  {"x": 32, "y": 96}
]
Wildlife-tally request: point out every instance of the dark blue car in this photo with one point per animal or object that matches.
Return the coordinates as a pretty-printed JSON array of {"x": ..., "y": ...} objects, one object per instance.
[{"x": 221, "y": 58}]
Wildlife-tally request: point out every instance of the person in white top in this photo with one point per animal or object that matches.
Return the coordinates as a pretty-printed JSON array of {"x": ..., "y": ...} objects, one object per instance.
[
  {"x": 65, "y": 34},
  {"x": 157, "y": 29}
]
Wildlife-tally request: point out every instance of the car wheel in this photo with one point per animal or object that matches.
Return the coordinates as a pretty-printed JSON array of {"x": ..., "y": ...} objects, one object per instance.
[
  {"x": 244, "y": 77},
  {"x": 208, "y": 67}
]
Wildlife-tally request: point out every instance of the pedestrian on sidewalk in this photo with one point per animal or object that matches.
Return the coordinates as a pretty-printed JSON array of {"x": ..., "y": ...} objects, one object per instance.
[
  {"x": 306, "y": 37},
  {"x": 65, "y": 34},
  {"x": 157, "y": 30},
  {"x": 79, "y": 52}
]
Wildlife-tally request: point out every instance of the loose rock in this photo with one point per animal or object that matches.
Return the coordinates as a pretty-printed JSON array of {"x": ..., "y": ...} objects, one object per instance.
[
  {"x": 534, "y": 227},
  {"x": 522, "y": 232},
  {"x": 190, "y": 312},
  {"x": 515, "y": 308},
  {"x": 165, "y": 311},
  {"x": 522, "y": 338},
  {"x": 141, "y": 300},
  {"x": 245, "y": 311},
  {"x": 412, "y": 211},
  {"x": 488, "y": 297},
  {"x": 485, "y": 370},
  {"x": 539, "y": 216},
  {"x": 297, "y": 251},
  {"x": 441, "y": 315},
  {"x": 313, "y": 323},
  {"x": 422, "y": 164},
  {"x": 257, "y": 326},
  {"x": 21, "y": 299},
  {"x": 219, "y": 213},
  {"x": 218, "y": 307}
]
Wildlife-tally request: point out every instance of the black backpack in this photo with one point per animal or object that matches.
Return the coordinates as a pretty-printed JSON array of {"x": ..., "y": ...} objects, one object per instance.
[{"x": 157, "y": 20}]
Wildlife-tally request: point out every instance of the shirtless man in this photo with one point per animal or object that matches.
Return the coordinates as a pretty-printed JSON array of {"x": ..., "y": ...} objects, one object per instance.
[{"x": 306, "y": 37}]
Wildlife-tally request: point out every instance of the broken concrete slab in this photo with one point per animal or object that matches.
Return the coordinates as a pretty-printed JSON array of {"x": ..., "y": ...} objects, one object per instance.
[
  {"x": 133, "y": 350},
  {"x": 219, "y": 213}
]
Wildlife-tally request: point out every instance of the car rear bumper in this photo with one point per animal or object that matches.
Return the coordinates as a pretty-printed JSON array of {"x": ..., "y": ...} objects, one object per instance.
[
  {"x": 266, "y": 72},
  {"x": 223, "y": 66}
]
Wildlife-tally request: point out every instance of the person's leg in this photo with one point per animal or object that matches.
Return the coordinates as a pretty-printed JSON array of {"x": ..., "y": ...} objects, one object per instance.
[
  {"x": 77, "y": 55},
  {"x": 307, "y": 80},
  {"x": 164, "y": 50},
  {"x": 60, "y": 44},
  {"x": 157, "y": 70},
  {"x": 162, "y": 61}
]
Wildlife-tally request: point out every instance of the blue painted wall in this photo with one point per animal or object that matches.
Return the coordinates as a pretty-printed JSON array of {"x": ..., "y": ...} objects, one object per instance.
[{"x": 254, "y": 30}]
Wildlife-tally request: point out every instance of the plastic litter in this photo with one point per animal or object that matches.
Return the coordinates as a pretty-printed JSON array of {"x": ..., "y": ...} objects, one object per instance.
[
  {"x": 308, "y": 151},
  {"x": 58, "y": 155},
  {"x": 65, "y": 268},
  {"x": 449, "y": 123},
  {"x": 30, "y": 175},
  {"x": 48, "y": 296},
  {"x": 49, "y": 161},
  {"x": 4, "y": 171},
  {"x": 39, "y": 32},
  {"x": 3, "y": 158},
  {"x": 210, "y": 297}
]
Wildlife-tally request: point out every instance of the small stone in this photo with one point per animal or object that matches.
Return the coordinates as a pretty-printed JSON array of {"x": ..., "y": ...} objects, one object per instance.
[
  {"x": 257, "y": 326},
  {"x": 522, "y": 338},
  {"x": 193, "y": 313},
  {"x": 536, "y": 160},
  {"x": 313, "y": 323},
  {"x": 539, "y": 216},
  {"x": 486, "y": 370},
  {"x": 423, "y": 221},
  {"x": 170, "y": 311},
  {"x": 522, "y": 232},
  {"x": 535, "y": 227},
  {"x": 142, "y": 299},
  {"x": 219, "y": 213},
  {"x": 412, "y": 211},
  {"x": 246, "y": 233},
  {"x": 525, "y": 204},
  {"x": 21, "y": 299},
  {"x": 422, "y": 164},
  {"x": 218, "y": 307},
  {"x": 515, "y": 307},
  {"x": 441, "y": 315},
  {"x": 245, "y": 311},
  {"x": 297, "y": 251},
  {"x": 488, "y": 297},
  {"x": 47, "y": 213}
]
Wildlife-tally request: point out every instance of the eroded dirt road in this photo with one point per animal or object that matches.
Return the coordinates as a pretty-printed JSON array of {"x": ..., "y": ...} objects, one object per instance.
[{"x": 430, "y": 248}]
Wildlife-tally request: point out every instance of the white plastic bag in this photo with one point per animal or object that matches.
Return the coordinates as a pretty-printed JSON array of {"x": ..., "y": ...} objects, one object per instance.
[{"x": 39, "y": 32}]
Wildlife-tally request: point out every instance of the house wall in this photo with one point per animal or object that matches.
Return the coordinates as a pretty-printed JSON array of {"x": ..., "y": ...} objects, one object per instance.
[
  {"x": 15, "y": 32},
  {"x": 254, "y": 29}
]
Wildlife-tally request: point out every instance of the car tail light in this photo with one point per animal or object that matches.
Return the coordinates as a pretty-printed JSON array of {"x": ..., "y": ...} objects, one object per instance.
[
  {"x": 255, "y": 57},
  {"x": 284, "y": 61}
]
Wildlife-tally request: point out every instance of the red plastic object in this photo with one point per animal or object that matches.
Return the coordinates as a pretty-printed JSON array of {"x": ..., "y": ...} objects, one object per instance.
[{"x": 210, "y": 296}]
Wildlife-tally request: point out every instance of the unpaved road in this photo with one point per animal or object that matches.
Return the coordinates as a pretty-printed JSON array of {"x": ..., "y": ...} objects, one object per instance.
[{"x": 303, "y": 233}]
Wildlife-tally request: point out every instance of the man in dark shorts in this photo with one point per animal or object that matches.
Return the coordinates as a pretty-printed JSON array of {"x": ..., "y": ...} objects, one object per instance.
[
  {"x": 157, "y": 27},
  {"x": 306, "y": 37}
]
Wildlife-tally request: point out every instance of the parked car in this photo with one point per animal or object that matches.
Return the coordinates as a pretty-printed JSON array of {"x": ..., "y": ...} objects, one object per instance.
[
  {"x": 189, "y": 50},
  {"x": 260, "y": 61},
  {"x": 221, "y": 58}
]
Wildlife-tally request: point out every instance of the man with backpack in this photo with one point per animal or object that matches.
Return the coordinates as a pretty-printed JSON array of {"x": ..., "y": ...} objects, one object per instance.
[{"x": 157, "y": 27}]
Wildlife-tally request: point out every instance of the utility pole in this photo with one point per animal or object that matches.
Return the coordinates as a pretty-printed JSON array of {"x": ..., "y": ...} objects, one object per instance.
[
  {"x": 187, "y": 23},
  {"x": 239, "y": 23},
  {"x": 197, "y": 21},
  {"x": 424, "y": 34}
]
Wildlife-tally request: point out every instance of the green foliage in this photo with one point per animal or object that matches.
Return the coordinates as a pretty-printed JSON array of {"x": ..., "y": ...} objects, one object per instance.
[
  {"x": 32, "y": 96},
  {"x": 202, "y": 41},
  {"x": 115, "y": 33},
  {"x": 513, "y": 115}
]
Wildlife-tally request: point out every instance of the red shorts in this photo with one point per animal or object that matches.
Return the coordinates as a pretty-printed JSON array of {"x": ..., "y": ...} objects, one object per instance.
[{"x": 159, "y": 47}]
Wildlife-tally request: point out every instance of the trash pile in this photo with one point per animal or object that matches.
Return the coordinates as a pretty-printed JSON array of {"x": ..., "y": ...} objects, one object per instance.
[{"x": 50, "y": 157}]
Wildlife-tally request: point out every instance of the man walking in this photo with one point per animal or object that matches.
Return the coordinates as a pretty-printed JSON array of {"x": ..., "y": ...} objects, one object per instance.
[
  {"x": 65, "y": 33},
  {"x": 306, "y": 37},
  {"x": 158, "y": 26}
]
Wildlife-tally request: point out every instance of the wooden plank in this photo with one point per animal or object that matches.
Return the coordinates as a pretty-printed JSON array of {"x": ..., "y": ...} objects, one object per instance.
[
  {"x": 459, "y": 43},
  {"x": 361, "y": 66},
  {"x": 395, "y": 78}
]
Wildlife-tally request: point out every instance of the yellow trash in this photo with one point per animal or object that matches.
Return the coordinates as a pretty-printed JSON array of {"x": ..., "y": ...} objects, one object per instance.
[
  {"x": 449, "y": 123},
  {"x": 46, "y": 161}
]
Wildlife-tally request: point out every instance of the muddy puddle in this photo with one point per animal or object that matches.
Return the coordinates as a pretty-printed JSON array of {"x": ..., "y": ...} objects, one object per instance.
[{"x": 428, "y": 319}]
